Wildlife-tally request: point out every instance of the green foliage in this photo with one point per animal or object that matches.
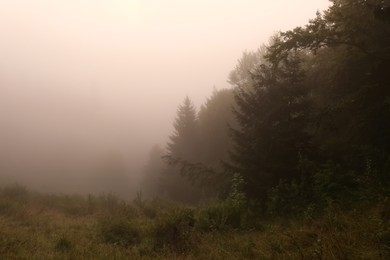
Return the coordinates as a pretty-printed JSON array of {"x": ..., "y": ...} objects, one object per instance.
[
  {"x": 70, "y": 205},
  {"x": 63, "y": 244},
  {"x": 333, "y": 182},
  {"x": 205, "y": 232},
  {"x": 119, "y": 231},
  {"x": 111, "y": 204},
  {"x": 183, "y": 146},
  {"x": 195, "y": 152},
  {"x": 310, "y": 140},
  {"x": 286, "y": 199},
  {"x": 232, "y": 213},
  {"x": 183, "y": 141},
  {"x": 7, "y": 207},
  {"x": 273, "y": 118},
  {"x": 319, "y": 92},
  {"x": 217, "y": 216},
  {"x": 215, "y": 116},
  {"x": 172, "y": 230},
  {"x": 74, "y": 206},
  {"x": 148, "y": 208},
  {"x": 237, "y": 194},
  {"x": 241, "y": 75},
  {"x": 374, "y": 183},
  {"x": 13, "y": 201},
  {"x": 225, "y": 216},
  {"x": 349, "y": 74}
]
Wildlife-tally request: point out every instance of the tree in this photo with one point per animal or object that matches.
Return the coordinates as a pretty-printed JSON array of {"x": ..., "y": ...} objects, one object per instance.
[
  {"x": 215, "y": 116},
  {"x": 351, "y": 57},
  {"x": 241, "y": 76},
  {"x": 347, "y": 51},
  {"x": 356, "y": 24},
  {"x": 273, "y": 116},
  {"x": 182, "y": 149},
  {"x": 183, "y": 142}
]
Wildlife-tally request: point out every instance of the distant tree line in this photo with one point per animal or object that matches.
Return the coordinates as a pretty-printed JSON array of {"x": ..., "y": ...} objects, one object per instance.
[{"x": 307, "y": 119}]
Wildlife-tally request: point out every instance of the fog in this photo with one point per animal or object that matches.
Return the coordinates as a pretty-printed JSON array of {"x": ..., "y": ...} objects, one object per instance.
[{"x": 87, "y": 87}]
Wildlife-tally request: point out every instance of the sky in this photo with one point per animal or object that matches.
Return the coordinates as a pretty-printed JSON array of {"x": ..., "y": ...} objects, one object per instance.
[{"x": 100, "y": 77}]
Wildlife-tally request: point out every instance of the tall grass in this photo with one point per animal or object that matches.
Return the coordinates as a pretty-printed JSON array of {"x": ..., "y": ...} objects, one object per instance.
[{"x": 34, "y": 225}]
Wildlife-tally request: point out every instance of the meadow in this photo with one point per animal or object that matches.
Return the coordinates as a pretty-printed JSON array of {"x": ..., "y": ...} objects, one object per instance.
[{"x": 47, "y": 226}]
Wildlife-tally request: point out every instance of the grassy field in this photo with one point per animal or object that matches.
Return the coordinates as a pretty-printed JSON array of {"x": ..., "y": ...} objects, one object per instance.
[{"x": 42, "y": 226}]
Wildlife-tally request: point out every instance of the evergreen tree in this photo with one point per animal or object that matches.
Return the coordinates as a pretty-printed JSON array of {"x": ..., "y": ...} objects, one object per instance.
[
  {"x": 215, "y": 116},
  {"x": 183, "y": 142},
  {"x": 182, "y": 149},
  {"x": 350, "y": 68},
  {"x": 273, "y": 125}
]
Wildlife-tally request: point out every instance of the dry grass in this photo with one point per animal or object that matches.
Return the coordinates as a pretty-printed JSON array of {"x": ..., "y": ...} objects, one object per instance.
[{"x": 65, "y": 229}]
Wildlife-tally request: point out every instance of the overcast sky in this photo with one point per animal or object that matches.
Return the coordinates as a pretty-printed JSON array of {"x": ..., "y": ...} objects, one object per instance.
[{"x": 126, "y": 64}]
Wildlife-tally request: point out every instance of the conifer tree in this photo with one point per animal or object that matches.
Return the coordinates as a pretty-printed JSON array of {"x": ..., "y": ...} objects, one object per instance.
[
  {"x": 183, "y": 142},
  {"x": 273, "y": 119},
  {"x": 182, "y": 149}
]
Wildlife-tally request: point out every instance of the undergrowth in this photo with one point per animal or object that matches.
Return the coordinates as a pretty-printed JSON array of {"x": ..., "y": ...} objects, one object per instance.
[{"x": 42, "y": 226}]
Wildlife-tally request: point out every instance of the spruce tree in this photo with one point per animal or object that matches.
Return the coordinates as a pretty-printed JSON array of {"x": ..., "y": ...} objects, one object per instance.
[
  {"x": 273, "y": 118},
  {"x": 182, "y": 149},
  {"x": 183, "y": 141}
]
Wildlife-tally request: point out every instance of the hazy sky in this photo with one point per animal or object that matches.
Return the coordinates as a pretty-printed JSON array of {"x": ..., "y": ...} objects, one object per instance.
[{"x": 123, "y": 66}]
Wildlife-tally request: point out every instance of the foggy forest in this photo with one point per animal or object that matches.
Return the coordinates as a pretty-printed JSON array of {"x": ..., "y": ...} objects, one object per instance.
[{"x": 195, "y": 129}]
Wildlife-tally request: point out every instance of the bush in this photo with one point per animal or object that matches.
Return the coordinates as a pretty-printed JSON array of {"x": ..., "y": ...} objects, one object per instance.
[
  {"x": 218, "y": 216},
  {"x": 16, "y": 193},
  {"x": 334, "y": 182},
  {"x": 212, "y": 217},
  {"x": 74, "y": 206},
  {"x": 288, "y": 198},
  {"x": 173, "y": 230},
  {"x": 63, "y": 244},
  {"x": 120, "y": 232},
  {"x": 225, "y": 215},
  {"x": 148, "y": 209},
  {"x": 232, "y": 213},
  {"x": 6, "y": 207}
]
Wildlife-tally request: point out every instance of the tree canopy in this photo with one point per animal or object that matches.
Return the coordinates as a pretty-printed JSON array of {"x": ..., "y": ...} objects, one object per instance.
[{"x": 310, "y": 111}]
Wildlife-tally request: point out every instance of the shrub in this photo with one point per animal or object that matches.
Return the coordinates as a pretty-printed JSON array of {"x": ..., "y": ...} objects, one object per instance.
[
  {"x": 6, "y": 207},
  {"x": 287, "y": 198},
  {"x": 218, "y": 216},
  {"x": 112, "y": 205},
  {"x": 15, "y": 192},
  {"x": 237, "y": 197},
  {"x": 233, "y": 212},
  {"x": 119, "y": 231},
  {"x": 147, "y": 208},
  {"x": 74, "y": 206},
  {"x": 211, "y": 217},
  {"x": 63, "y": 244},
  {"x": 173, "y": 230},
  {"x": 333, "y": 182}
]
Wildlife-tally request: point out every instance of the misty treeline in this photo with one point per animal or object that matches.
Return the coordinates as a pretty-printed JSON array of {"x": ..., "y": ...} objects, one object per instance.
[{"x": 306, "y": 120}]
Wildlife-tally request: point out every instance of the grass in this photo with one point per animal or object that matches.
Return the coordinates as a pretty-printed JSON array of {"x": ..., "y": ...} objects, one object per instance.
[{"x": 38, "y": 226}]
